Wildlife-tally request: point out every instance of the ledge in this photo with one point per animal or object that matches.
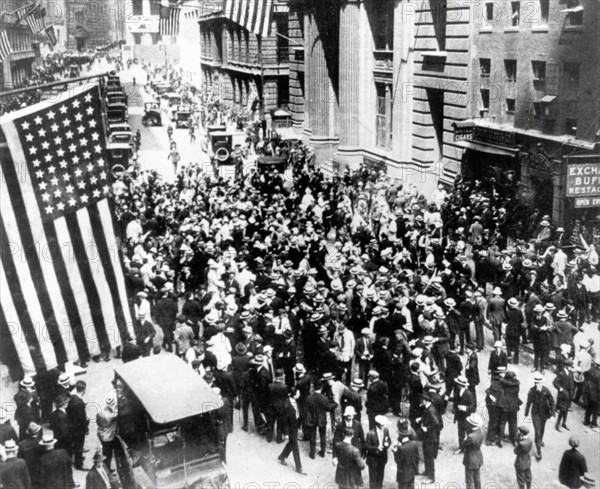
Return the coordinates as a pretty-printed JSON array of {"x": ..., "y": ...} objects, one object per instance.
[
  {"x": 486, "y": 29},
  {"x": 511, "y": 29},
  {"x": 540, "y": 28}
]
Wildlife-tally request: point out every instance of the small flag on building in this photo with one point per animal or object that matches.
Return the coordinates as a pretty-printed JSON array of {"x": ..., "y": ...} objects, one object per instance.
[
  {"x": 51, "y": 35},
  {"x": 63, "y": 292},
  {"x": 169, "y": 20},
  {"x": 5, "y": 47},
  {"x": 36, "y": 19},
  {"x": 253, "y": 15}
]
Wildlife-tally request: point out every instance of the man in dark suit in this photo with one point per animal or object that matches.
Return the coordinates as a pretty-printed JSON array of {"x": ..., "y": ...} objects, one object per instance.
[
  {"x": 59, "y": 423},
  {"x": 78, "y": 422},
  {"x": 349, "y": 463},
  {"x": 430, "y": 436},
  {"x": 13, "y": 471},
  {"x": 454, "y": 368},
  {"x": 56, "y": 465},
  {"x": 98, "y": 477},
  {"x": 317, "y": 408},
  {"x": 289, "y": 423},
  {"x": 377, "y": 398},
  {"x": 464, "y": 405},
  {"x": 349, "y": 421},
  {"x": 498, "y": 358},
  {"x": 572, "y": 466},
  {"x": 7, "y": 432},
  {"x": 406, "y": 455},
  {"x": 523, "y": 460},
  {"x": 473, "y": 458},
  {"x": 377, "y": 443},
  {"x": 541, "y": 404},
  {"x": 472, "y": 370},
  {"x": 278, "y": 398},
  {"x": 31, "y": 451},
  {"x": 363, "y": 353},
  {"x": 302, "y": 383},
  {"x": 352, "y": 397},
  {"x": 415, "y": 394}
]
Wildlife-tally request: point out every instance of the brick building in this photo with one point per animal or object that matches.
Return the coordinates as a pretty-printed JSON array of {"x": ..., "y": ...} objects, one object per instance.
[
  {"x": 534, "y": 106},
  {"x": 237, "y": 63}
]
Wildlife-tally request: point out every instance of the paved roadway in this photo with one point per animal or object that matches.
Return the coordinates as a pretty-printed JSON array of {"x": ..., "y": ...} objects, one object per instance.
[{"x": 252, "y": 462}]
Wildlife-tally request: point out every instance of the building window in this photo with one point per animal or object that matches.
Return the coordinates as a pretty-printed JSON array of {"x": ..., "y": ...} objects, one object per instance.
[
  {"x": 489, "y": 12},
  {"x": 538, "y": 110},
  {"x": 515, "y": 13},
  {"x": 510, "y": 105},
  {"x": 539, "y": 70},
  {"x": 544, "y": 11},
  {"x": 485, "y": 66},
  {"x": 485, "y": 99},
  {"x": 571, "y": 71},
  {"x": 384, "y": 115},
  {"x": 571, "y": 126},
  {"x": 510, "y": 66},
  {"x": 574, "y": 12}
]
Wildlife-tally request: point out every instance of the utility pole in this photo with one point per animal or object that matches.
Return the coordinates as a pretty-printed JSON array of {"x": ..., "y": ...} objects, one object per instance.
[{"x": 263, "y": 119}]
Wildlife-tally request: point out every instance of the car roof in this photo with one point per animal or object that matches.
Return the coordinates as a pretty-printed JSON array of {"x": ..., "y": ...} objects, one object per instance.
[{"x": 168, "y": 388}]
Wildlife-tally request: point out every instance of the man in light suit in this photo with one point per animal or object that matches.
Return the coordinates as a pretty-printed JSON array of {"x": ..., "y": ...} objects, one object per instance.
[{"x": 377, "y": 443}]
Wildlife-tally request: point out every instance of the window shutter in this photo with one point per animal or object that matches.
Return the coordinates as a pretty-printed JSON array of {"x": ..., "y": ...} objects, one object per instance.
[{"x": 552, "y": 78}]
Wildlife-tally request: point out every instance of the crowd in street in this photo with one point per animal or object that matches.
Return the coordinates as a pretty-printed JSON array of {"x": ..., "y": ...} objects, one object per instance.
[{"x": 317, "y": 304}]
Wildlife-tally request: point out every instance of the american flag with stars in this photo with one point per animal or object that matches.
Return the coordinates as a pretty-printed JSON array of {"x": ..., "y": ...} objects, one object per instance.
[{"x": 63, "y": 269}]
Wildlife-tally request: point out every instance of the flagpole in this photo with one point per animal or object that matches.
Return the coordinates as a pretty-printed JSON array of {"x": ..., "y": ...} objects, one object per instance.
[{"x": 51, "y": 84}]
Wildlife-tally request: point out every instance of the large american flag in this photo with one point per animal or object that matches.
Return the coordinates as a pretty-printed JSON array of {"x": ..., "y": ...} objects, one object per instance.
[
  {"x": 253, "y": 15},
  {"x": 36, "y": 19},
  {"x": 63, "y": 291},
  {"x": 169, "y": 20}
]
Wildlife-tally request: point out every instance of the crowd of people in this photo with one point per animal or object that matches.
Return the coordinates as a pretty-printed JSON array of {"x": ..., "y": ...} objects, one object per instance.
[{"x": 317, "y": 304}]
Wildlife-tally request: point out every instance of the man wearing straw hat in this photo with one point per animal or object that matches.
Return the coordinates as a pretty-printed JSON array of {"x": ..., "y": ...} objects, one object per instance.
[
  {"x": 377, "y": 443},
  {"x": 13, "y": 471},
  {"x": 473, "y": 458},
  {"x": 55, "y": 465},
  {"x": 31, "y": 451}
]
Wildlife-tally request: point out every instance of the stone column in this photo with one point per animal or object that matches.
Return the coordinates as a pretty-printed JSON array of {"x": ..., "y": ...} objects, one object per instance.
[
  {"x": 320, "y": 97},
  {"x": 350, "y": 66}
]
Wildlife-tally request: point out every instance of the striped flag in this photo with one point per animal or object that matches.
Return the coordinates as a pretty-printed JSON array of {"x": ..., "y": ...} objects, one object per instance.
[
  {"x": 63, "y": 290},
  {"x": 169, "y": 20},
  {"x": 253, "y": 15},
  {"x": 36, "y": 19},
  {"x": 5, "y": 47},
  {"x": 21, "y": 12},
  {"x": 51, "y": 36}
]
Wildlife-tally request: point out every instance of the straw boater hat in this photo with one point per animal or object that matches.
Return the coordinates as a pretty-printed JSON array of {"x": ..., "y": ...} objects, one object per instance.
[
  {"x": 497, "y": 291},
  {"x": 461, "y": 380},
  {"x": 48, "y": 441},
  {"x": 513, "y": 302},
  {"x": 475, "y": 420},
  {"x": 299, "y": 368},
  {"x": 358, "y": 383}
]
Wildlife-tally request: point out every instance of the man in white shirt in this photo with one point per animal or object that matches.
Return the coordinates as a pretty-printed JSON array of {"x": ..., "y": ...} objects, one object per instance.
[{"x": 345, "y": 339}]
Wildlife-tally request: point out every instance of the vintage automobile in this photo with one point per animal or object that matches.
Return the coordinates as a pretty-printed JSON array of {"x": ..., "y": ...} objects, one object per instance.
[
  {"x": 119, "y": 156},
  {"x": 116, "y": 112},
  {"x": 169, "y": 426},
  {"x": 124, "y": 137},
  {"x": 152, "y": 116},
  {"x": 183, "y": 115},
  {"x": 119, "y": 126},
  {"x": 281, "y": 125},
  {"x": 265, "y": 164},
  {"x": 74, "y": 71}
]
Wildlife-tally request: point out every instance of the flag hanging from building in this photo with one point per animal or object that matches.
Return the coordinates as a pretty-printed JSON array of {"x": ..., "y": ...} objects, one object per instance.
[
  {"x": 36, "y": 19},
  {"x": 51, "y": 35},
  {"x": 253, "y": 15},
  {"x": 63, "y": 290},
  {"x": 169, "y": 20},
  {"x": 5, "y": 47},
  {"x": 21, "y": 12}
]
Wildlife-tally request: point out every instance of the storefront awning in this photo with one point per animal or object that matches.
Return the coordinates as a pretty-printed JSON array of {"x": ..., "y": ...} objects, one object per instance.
[
  {"x": 486, "y": 148},
  {"x": 548, "y": 98}
]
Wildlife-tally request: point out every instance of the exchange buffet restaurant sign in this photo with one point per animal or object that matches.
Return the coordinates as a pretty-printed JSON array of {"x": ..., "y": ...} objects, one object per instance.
[{"x": 583, "y": 180}]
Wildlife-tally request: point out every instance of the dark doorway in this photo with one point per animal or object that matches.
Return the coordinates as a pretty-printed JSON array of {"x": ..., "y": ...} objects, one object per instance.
[{"x": 436, "y": 108}]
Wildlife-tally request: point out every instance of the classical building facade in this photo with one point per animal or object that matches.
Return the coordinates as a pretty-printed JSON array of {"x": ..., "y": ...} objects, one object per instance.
[
  {"x": 238, "y": 66},
  {"x": 25, "y": 49}
]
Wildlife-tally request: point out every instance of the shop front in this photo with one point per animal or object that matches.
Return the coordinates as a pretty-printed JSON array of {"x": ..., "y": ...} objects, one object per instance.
[
  {"x": 534, "y": 164},
  {"x": 582, "y": 188}
]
